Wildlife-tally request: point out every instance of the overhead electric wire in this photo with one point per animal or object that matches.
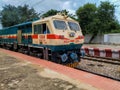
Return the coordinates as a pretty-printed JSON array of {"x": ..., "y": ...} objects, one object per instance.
[
  {"x": 37, "y": 3},
  {"x": 24, "y": 2}
]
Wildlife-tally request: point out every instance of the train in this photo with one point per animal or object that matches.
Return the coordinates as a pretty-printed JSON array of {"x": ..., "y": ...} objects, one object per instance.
[{"x": 56, "y": 38}]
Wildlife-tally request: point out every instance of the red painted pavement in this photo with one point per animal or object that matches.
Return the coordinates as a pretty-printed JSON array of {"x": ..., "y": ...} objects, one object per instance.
[{"x": 94, "y": 80}]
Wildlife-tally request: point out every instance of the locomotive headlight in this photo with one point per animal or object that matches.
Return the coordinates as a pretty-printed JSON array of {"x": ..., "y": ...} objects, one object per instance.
[
  {"x": 64, "y": 57},
  {"x": 72, "y": 34}
]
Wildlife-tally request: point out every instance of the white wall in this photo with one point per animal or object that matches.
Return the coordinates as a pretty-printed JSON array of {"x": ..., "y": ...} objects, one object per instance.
[
  {"x": 98, "y": 39},
  {"x": 104, "y": 39},
  {"x": 112, "y": 38}
]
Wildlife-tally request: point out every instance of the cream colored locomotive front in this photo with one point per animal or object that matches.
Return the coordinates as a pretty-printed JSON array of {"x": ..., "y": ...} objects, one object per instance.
[{"x": 57, "y": 30}]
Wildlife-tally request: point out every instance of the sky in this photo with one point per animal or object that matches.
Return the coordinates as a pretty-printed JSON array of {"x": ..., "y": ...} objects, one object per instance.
[{"x": 43, "y": 6}]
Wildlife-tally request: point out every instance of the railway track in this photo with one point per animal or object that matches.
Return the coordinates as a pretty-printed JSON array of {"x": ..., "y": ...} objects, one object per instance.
[
  {"x": 97, "y": 71},
  {"x": 97, "y": 74},
  {"x": 104, "y": 60}
]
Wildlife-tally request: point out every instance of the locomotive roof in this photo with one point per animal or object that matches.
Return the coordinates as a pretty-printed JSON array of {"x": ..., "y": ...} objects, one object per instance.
[
  {"x": 25, "y": 23},
  {"x": 58, "y": 16}
]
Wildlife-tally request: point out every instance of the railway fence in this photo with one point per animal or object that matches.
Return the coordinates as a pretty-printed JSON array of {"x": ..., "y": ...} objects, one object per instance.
[{"x": 104, "y": 53}]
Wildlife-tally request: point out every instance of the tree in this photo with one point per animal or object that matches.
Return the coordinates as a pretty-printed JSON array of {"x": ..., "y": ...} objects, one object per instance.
[
  {"x": 54, "y": 12},
  {"x": 9, "y": 16},
  {"x": 97, "y": 20},
  {"x": 106, "y": 15},
  {"x": 68, "y": 14},
  {"x": 50, "y": 13},
  {"x": 12, "y": 15},
  {"x": 87, "y": 18},
  {"x": 26, "y": 13}
]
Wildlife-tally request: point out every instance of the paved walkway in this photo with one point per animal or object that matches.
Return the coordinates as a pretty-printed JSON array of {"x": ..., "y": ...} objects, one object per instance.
[
  {"x": 86, "y": 81},
  {"x": 100, "y": 46},
  {"x": 18, "y": 73}
]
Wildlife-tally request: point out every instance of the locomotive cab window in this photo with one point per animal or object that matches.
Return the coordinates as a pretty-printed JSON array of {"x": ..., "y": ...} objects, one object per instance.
[
  {"x": 41, "y": 29},
  {"x": 61, "y": 25},
  {"x": 73, "y": 26}
]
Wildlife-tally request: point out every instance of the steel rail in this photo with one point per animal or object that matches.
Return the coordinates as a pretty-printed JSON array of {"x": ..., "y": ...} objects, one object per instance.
[{"x": 104, "y": 60}]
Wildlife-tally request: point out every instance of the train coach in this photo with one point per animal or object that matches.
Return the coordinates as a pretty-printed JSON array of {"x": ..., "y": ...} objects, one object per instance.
[{"x": 56, "y": 38}]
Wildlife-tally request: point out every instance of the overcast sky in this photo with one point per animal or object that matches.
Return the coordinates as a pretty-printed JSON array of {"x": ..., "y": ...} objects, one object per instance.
[{"x": 71, "y": 5}]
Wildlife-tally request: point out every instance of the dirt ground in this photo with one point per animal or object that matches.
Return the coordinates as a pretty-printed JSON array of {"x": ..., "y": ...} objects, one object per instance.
[{"x": 17, "y": 74}]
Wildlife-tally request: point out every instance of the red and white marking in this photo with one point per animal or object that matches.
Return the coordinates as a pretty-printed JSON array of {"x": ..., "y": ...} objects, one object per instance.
[{"x": 109, "y": 53}]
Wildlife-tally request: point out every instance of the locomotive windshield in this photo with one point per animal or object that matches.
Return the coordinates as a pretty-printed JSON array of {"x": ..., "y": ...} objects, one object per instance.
[
  {"x": 60, "y": 25},
  {"x": 73, "y": 26}
]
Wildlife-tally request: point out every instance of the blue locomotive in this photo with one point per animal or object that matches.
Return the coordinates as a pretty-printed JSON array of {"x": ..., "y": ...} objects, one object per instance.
[{"x": 56, "y": 38}]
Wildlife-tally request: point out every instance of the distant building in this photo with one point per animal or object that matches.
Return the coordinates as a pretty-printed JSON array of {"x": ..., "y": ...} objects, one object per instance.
[{"x": 0, "y": 22}]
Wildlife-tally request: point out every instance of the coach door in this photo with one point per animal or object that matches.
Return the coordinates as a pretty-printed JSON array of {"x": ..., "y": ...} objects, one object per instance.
[{"x": 19, "y": 36}]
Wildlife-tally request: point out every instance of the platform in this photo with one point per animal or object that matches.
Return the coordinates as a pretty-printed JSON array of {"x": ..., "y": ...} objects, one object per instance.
[{"x": 75, "y": 79}]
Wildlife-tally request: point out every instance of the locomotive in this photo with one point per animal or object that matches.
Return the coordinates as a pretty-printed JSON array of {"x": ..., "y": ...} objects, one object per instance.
[{"x": 56, "y": 38}]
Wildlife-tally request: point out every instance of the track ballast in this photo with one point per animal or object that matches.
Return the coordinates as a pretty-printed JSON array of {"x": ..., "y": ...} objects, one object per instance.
[{"x": 109, "y": 68}]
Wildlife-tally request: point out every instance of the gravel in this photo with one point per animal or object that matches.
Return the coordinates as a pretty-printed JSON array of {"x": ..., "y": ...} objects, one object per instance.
[{"x": 109, "y": 70}]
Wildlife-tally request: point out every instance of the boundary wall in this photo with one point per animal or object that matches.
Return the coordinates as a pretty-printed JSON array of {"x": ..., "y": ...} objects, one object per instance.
[{"x": 113, "y": 38}]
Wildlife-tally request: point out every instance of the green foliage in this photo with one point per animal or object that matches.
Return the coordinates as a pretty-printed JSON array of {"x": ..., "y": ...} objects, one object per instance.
[
  {"x": 106, "y": 16},
  {"x": 26, "y": 13},
  {"x": 12, "y": 15},
  {"x": 97, "y": 20},
  {"x": 116, "y": 28},
  {"x": 65, "y": 12},
  {"x": 50, "y": 13},
  {"x": 87, "y": 18},
  {"x": 54, "y": 12},
  {"x": 9, "y": 15},
  {"x": 115, "y": 31}
]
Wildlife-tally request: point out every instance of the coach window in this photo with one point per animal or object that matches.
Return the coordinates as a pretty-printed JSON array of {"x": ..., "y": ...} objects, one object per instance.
[{"x": 41, "y": 29}]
